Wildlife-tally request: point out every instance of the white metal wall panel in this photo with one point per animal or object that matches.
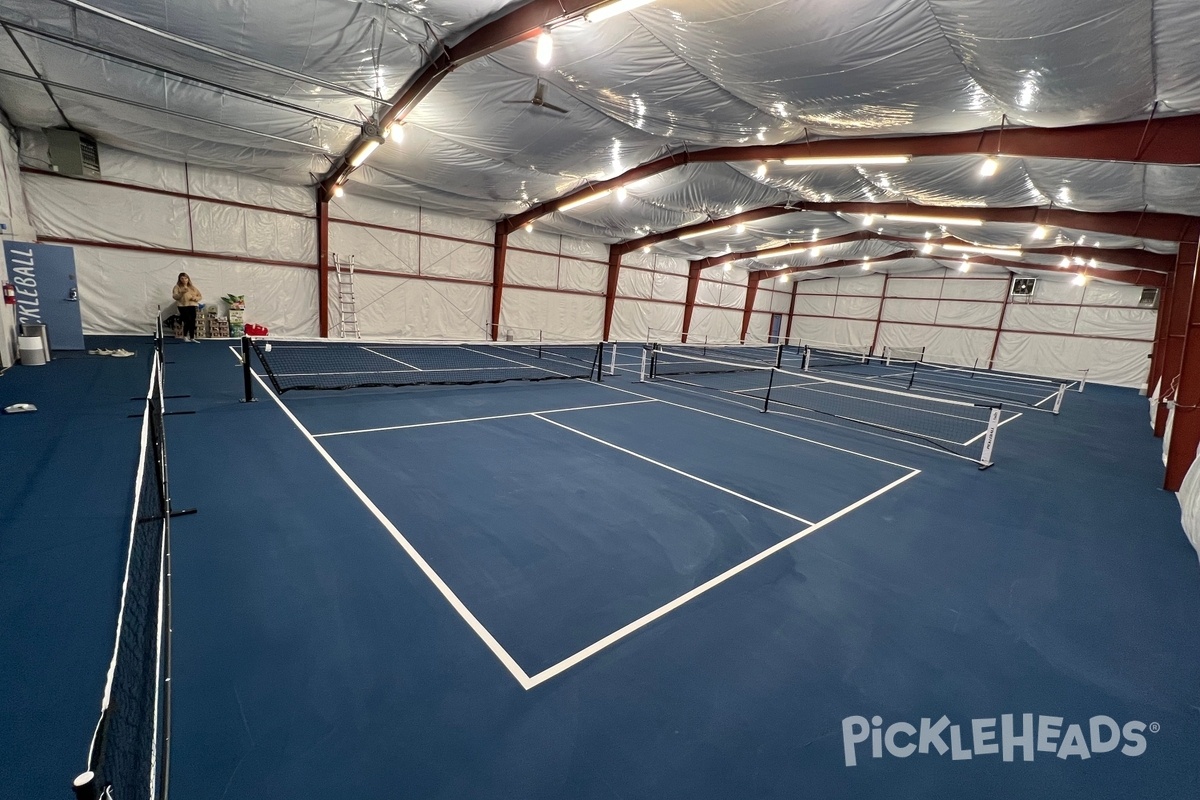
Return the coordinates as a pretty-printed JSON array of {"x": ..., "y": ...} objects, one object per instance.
[
  {"x": 975, "y": 289},
  {"x": 451, "y": 259},
  {"x": 223, "y": 184},
  {"x": 635, "y": 283},
  {"x": 864, "y": 286},
  {"x": 781, "y": 302},
  {"x": 1045, "y": 318},
  {"x": 669, "y": 287},
  {"x": 531, "y": 269},
  {"x": 914, "y": 287},
  {"x": 1096, "y": 293},
  {"x": 558, "y": 315},
  {"x": 1112, "y": 362},
  {"x": 376, "y": 212},
  {"x": 632, "y": 319},
  {"x": 852, "y": 332},
  {"x": 818, "y": 286},
  {"x": 376, "y": 249},
  {"x": 121, "y": 292},
  {"x": 715, "y": 325},
  {"x": 817, "y": 305},
  {"x": 1120, "y": 323},
  {"x": 857, "y": 307},
  {"x": 906, "y": 309},
  {"x": 942, "y": 345},
  {"x": 459, "y": 227},
  {"x": 414, "y": 308},
  {"x": 77, "y": 209},
  {"x": 219, "y": 228},
  {"x": 582, "y": 276},
  {"x": 968, "y": 314},
  {"x": 584, "y": 248},
  {"x": 1058, "y": 292}
]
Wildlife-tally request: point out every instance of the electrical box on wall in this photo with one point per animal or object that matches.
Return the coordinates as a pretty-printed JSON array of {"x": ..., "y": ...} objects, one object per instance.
[
  {"x": 1023, "y": 287},
  {"x": 72, "y": 153},
  {"x": 1149, "y": 298}
]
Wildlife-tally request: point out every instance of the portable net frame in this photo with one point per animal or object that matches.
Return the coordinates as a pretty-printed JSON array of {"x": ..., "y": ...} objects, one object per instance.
[
  {"x": 972, "y": 382},
  {"x": 315, "y": 364},
  {"x": 966, "y": 430},
  {"x": 835, "y": 356},
  {"x": 752, "y": 354},
  {"x": 129, "y": 755}
]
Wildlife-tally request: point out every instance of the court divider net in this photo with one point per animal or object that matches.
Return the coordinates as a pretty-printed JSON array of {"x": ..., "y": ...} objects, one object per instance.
[
  {"x": 314, "y": 364},
  {"x": 963, "y": 429}
]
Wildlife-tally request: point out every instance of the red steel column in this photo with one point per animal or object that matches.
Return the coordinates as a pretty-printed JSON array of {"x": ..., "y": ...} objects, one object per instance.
[
  {"x": 1000, "y": 326},
  {"x": 499, "y": 253},
  {"x": 689, "y": 304},
  {"x": 879, "y": 316},
  {"x": 787, "y": 336},
  {"x": 610, "y": 295},
  {"x": 1185, "y": 429},
  {"x": 748, "y": 311},
  {"x": 1177, "y": 326},
  {"x": 1158, "y": 355},
  {"x": 322, "y": 263}
]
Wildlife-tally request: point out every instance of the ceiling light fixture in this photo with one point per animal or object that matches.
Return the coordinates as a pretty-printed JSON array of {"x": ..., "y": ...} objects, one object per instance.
[
  {"x": 367, "y": 144},
  {"x": 789, "y": 252},
  {"x": 984, "y": 251},
  {"x": 1040, "y": 232},
  {"x": 529, "y": 227},
  {"x": 965, "y": 266},
  {"x": 739, "y": 229},
  {"x": 727, "y": 266},
  {"x": 989, "y": 167},
  {"x": 761, "y": 172},
  {"x": 338, "y": 191},
  {"x": 783, "y": 278},
  {"x": 927, "y": 249},
  {"x": 705, "y": 232},
  {"x": 866, "y": 265},
  {"x": 1080, "y": 279},
  {"x": 1066, "y": 262},
  {"x": 933, "y": 220},
  {"x": 868, "y": 220},
  {"x": 834, "y": 161},
  {"x": 584, "y": 200},
  {"x": 646, "y": 249},
  {"x": 612, "y": 9},
  {"x": 545, "y": 47},
  {"x": 622, "y": 193}
]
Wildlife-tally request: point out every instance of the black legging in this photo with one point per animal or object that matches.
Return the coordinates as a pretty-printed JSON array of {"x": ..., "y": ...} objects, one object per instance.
[{"x": 189, "y": 320}]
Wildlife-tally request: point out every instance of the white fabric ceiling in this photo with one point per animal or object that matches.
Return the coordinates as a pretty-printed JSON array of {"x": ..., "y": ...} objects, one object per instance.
[{"x": 673, "y": 75}]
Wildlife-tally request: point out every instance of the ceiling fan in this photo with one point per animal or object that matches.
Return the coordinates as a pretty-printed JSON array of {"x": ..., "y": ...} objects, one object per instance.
[{"x": 539, "y": 100}]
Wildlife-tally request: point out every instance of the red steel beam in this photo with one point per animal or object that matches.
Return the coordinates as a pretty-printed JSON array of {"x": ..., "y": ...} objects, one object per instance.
[
  {"x": 516, "y": 26},
  {"x": 1158, "y": 352},
  {"x": 689, "y": 303},
  {"x": 787, "y": 336},
  {"x": 499, "y": 257},
  {"x": 1177, "y": 328},
  {"x": 1185, "y": 427},
  {"x": 1166, "y": 140},
  {"x": 610, "y": 293},
  {"x": 1127, "y": 257},
  {"x": 879, "y": 316},
  {"x": 748, "y": 311},
  {"x": 322, "y": 267}
]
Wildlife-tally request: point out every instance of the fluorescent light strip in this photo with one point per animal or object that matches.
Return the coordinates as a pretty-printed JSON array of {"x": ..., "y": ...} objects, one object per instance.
[
  {"x": 984, "y": 251},
  {"x": 364, "y": 150},
  {"x": 790, "y": 252},
  {"x": 834, "y": 161},
  {"x": 932, "y": 220},
  {"x": 612, "y": 9},
  {"x": 584, "y": 200},
  {"x": 705, "y": 232}
]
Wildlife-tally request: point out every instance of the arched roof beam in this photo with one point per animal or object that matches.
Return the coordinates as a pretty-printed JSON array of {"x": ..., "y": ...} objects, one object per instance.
[
  {"x": 508, "y": 29},
  {"x": 1145, "y": 225},
  {"x": 1126, "y": 257},
  {"x": 1164, "y": 140}
]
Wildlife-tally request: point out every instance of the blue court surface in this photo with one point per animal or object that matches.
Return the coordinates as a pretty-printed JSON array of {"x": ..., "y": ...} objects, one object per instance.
[{"x": 572, "y": 589}]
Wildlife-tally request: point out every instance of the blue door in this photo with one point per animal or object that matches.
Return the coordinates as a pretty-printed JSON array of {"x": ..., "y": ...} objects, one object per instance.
[
  {"x": 776, "y": 324},
  {"x": 47, "y": 293}
]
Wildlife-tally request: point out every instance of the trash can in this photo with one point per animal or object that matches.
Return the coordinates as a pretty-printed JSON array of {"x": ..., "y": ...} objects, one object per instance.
[
  {"x": 41, "y": 333},
  {"x": 32, "y": 354}
]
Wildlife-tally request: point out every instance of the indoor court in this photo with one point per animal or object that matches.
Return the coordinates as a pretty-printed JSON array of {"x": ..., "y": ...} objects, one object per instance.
[{"x": 599, "y": 400}]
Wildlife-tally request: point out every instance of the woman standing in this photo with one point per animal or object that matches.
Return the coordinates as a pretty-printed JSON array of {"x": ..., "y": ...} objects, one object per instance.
[{"x": 188, "y": 298}]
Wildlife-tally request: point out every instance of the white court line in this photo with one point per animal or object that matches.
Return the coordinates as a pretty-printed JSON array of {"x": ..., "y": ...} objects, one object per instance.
[
  {"x": 710, "y": 394},
  {"x": 480, "y": 419},
  {"x": 389, "y": 358},
  {"x": 497, "y": 649},
  {"x": 663, "y": 610},
  {"x": 509, "y": 360},
  {"x": 669, "y": 468},
  {"x": 1002, "y": 422},
  {"x": 483, "y": 633}
]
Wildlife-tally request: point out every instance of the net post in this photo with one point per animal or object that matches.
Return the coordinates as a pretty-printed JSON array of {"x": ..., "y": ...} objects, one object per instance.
[
  {"x": 767, "y": 397},
  {"x": 807, "y": 359},
  {"x": 599, "y": 361},
  {"x": 912, "y": 376},
  {"x": 612, "y": 364},
  {"x": 1058, "y": 396},
  {"x": 84, "y": 786},
  {"x": 1083, "y": 380},
  {"x": 778, "y": 356},
  {"x": 989, "y": 438},
  {"x": 247, "y": 376},
  {"x": 644, "y": 370}
]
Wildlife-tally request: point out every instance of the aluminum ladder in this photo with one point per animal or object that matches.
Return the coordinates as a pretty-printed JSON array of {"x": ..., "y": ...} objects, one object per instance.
[{"x": 347, "y": 309}]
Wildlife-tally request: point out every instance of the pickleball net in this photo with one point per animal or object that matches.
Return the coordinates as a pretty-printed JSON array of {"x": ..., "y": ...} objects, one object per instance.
[
  {"x": 962, "y": 429},
  {"x": 314, "y": 364}
]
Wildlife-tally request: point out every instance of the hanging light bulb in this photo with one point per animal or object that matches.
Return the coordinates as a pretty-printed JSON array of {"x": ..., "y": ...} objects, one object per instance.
[
  {"x": 761, "y": 172},
  {"x": 868, "y": 220},
  {"x": 622, "y": 193},
  {"x": 1040, "y": 232},
  {"x": 1080, "y": 279},
  {"x": 395, "y": 133},
  {"x": 545, "y": 47},
  {"x": 727, "y": 266},
  {"x": 529, "y": 227},
  {"x": 783, "y": 278},
  {"x": 927, "y": 249},
  {"x": 739, "y": 229},
  {"x": 866, "y": 265},
  {"x": 338, "y": 191},
  {"x": 989, "y": 167}
]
